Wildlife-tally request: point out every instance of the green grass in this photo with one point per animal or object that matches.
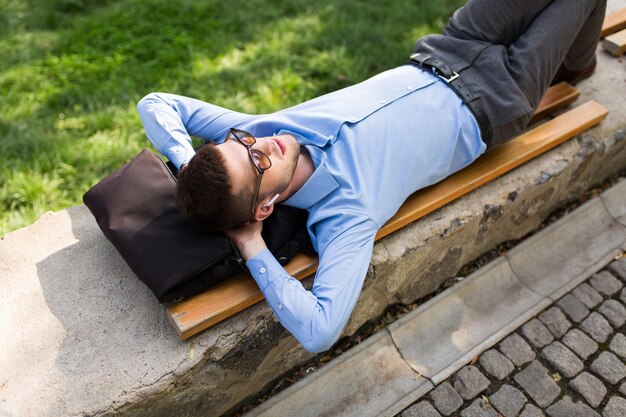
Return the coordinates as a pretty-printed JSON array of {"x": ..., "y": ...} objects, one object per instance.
[{"x": 72, "y": 71}]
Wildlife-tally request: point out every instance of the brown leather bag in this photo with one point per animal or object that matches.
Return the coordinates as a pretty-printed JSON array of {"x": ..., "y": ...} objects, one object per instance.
[{"x": 136, "y": 210}]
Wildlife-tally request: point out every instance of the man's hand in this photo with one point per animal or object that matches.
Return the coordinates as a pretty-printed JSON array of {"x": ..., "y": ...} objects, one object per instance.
[{"x": 248, "y": 239}]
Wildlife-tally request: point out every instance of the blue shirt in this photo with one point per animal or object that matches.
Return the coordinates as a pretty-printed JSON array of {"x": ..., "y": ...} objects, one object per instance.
[{"x": 372, "y": 144}]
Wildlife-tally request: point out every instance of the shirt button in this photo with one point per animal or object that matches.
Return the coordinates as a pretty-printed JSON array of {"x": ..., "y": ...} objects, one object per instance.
[
  {"x": 280, "y": 306},
  {"x": 262, "y": 270},
  {"x": 354, "y": 119},
  {"x": 383, "y": 101},
  {"x": 409, "y": 87},
  {"x": 331, "y": 137}
]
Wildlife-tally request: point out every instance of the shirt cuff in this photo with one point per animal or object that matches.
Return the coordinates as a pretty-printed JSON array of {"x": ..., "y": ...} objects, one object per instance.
[
  {"x": 264, "y": 267},
  {"x": 179, "y": 153}
]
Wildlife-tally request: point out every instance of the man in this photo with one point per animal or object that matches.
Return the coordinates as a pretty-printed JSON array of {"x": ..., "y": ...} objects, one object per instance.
[{"x": 351, "y": 157}]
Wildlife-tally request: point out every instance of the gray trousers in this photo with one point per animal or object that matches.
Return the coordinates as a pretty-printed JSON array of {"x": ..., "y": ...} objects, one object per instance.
[{"x": 508, "y": 51}]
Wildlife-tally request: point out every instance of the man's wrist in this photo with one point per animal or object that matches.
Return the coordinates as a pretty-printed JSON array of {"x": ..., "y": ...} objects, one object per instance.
[{"x": 249, "y": 248}]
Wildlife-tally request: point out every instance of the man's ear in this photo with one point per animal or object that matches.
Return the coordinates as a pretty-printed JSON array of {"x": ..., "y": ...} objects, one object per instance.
[{"x": 265, "y": 208}]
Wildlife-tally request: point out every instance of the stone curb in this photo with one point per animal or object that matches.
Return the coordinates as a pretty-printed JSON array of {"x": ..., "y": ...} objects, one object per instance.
[
  {"x": 538, "y": 261},
  {"x": 445, "y": 333},
  {"x": 366, "y": 371},
  {"x": 613, "y": 199}
]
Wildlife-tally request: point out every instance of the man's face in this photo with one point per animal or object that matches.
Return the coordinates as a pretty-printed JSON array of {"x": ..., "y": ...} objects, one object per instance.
[{"x": 282, "y": 150}]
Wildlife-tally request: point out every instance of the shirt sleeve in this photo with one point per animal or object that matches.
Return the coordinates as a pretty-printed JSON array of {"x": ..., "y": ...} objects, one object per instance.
[
  {"x": 317, "y": 317},
  {"x": 169, "y": 120}
]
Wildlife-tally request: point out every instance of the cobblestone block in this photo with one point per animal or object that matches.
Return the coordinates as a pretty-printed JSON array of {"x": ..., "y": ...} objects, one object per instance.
[
  {"x": 618, "y": 345},
  {"x": 517, "y": 350},
  {"x": 537, "y": 383},
  {"x": 580, "y": 343},
  {"x": 479, "y": 409},
  {"x": 531, "y": 411},
  {"x": 597, "y": 327},
  {"x": 622, "y": 296},
  {"x": 446, "y": 399},
  {"x": 605, "y": 283},
  {"x": 537, "y": 333},
  {"x": 619, "y": 268},
  {"x": 589, "y": 387},
  {"x": 562, "y": 359},
  {"x": 555, "y": 321},
  {"x": 573, "y": 308},
  {"x": 608, "y": 367},
  {"x": 622, "y": 389},
  {"x": 616, "y": 407},
  {"x": 470, "y": 382},
  {"x": 587, "y": 295},
  {"x": 496, "y": 364},
  {"x": 508, "y": 400},
  {"x": 614, "y": 312},
  {"x": 567, "y": 408},
  {"x": 422, "y": 409}
]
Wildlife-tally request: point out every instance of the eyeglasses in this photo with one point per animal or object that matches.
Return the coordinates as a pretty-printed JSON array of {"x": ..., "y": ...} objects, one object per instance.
[{"x": 260, "y": 160}]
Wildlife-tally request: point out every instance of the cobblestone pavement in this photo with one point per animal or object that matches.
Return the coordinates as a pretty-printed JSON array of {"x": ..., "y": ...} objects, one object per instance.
[{"x": 568, "y": 361}]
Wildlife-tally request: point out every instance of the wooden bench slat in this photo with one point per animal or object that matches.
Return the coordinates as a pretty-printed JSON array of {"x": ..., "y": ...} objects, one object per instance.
[
  {"x": 237, "y": 293},
  {"x": 613, "y": 22},
  {"x": 616, "y": 43},
  {"x": 557, "y": 96},
  {"x": 227, "y": 298}
]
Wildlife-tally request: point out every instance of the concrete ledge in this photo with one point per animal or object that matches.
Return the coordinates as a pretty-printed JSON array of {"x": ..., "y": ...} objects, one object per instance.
[{"x": 80, "y": 335}]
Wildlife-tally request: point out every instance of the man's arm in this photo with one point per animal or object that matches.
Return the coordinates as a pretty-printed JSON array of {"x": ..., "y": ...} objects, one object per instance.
[
  {"x": 317, "y": 317},
  {"x": 169, "y": 120}
]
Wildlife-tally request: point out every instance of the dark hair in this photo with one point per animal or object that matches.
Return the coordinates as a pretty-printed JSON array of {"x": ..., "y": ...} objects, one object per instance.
[{"x": 204, "y": 192}]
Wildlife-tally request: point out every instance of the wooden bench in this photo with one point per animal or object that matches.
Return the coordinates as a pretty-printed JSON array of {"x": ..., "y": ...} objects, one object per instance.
[
  {"x": 197, "y": 313},
  {"x": 614, "y": 22},
  {"x": 616, "y": 43},
  {"x": 557, "y": 97}
]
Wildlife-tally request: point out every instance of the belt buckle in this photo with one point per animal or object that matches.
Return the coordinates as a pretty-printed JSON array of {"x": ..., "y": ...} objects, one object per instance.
[
  {"x": 449, "y": 79},
  {"x": 434, "y": 69}
]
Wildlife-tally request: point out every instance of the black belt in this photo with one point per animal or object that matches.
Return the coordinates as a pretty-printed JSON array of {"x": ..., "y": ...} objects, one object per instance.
[{"x": 454, "y": 81}]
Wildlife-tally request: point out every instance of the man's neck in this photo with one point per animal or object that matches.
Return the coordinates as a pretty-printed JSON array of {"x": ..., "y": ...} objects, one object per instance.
[{"x": 304, "y": 170}]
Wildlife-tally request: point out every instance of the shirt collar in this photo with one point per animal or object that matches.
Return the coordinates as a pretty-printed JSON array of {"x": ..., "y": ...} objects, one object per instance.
[
  {"x": 314, "y": 139},
  {"x": 319, "y": 185}
]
